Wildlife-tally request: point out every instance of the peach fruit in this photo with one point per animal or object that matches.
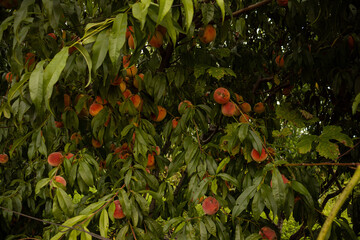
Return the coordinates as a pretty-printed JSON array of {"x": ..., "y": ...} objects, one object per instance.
[
  {"x": 95, "y": 108},
  {"x": 228, "y": 109},
  {"x": 156, "y": 39},
  {"x": 99, "y": 100},
  {"x": 127, "y": 93},
  {"x": 76, "y": 137},
  {"x": 282, "y": 3},
  {"x": 129, "y": 31},
  {"x": 118, "y": 213},
  {"x": 131, "y": 42},
  {"x": 245, "y": 107},
  {"x": 186, "y": 103},
  {"x": 136, "y": 100},
  {"x": 131, "y": 71},
  {"x": 4, "y": 158},
  {"x": 175, "y": 122},
  {"x": 61, "y": 180},
  {"x": 267, "y": 233},
  {"x": 67, "y": 100},
  {"x": 257, "y": 157},
  {"x": 96, "y": 143},
  {"x": 244, "y": 118},
  {"x": 59, "y": 124},
  {"x": 259, "y": 108},
  {"x": 207, "y": 34},
  {"x": 210, "y": 205},
  {"x": 52, "y": 35},
  {"x": 221, "y": 95},
  {"x": 151, "y": 161},
  {"x": 280, "y": 61},
  {"x": 69, "y": 155},
  {"x": 126, "y": 60},
  {"x": 9, "y": 77},
  {"x": 55, "y": 159},
  {"x": 161, "y": 115}
]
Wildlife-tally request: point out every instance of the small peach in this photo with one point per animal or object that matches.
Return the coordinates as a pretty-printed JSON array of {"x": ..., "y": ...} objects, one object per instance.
[
  {"x": 151, "y": 160},
  {"x": 207, "y": 34},
  {"x": 69, "y": 155},
  {"x": 59, "y": 124},
  {"x": 96, "y": 143},
  {"x": 55, "y": 159},
  {"x": 126, "y": 60},
  {"x": 161, "y": 115},
  {"x": 221, "y": 95},
  {"x": 228, "y": 109},
  {"x": 210, "y": 205},
  {"x": 9, "y": 77},
  {"x": 245, "y": 107},
  {"x": 95, "y": 108},
  {"x": 156, "y": 40},
  {"x": 280, "y": 61},
  {"x": 186, "y": 103},
  {"x": 244, "y": 118},
  {"x": 60, "y": 180},
  {"x": 129, "y": 31},
  {"x": 257, "y": 157},
  {"x": 131, "y": 71},
  {"x": 136, "y": 100},
  {"x": 175, "y": 122},
  {"x": 259, "y": 108},
  {"x": 267, "y": 233},
  {"x": 131, "y": 42},
  {"x": 4, "y": 158},
  {"x": 118, "y": 213}
]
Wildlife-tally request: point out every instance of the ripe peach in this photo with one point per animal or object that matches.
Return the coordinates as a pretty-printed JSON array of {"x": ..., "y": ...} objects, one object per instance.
[
  {"x": 116, "y": 81},
  {"x": 228, "y": 109},
  {"x": 186, "y": 103},
  {"x": 267, "y": 233},
  {"x": 55, "y": 159},
  {"x": 29, "y": 60},
  {"x": 245, "y": 107},
  {"x": 282, "y": 3},
  {"x": 259, "y": 108},
  {"x": 161, "y": 115},
  {"x": 244, "y": 118},
  {"x": 156, "y": 40},
  {"x": 67, "y": 100},
  {"x": 151, "y": 161},
  {"x": 131, "y": 42},
  {"x": 351, "y": 42},
  {"x": 221, "y": 95},
  {"x": 136, "y": 100},
  {"x": 136, "y": 81},
  {"x": 52, "y": 35},
  {"x": 175, "y": 122},
  {"x": 9, "y": 77},
  {"x": 129, "y": 31},
  {"x": 4, "y": 158},
  {"x": 285, "y": 180},
  {"x": 126, "y": 60},
  {"x": 280, "y": 61},
  {"x": 61, "y": 180},
  {"x": 99, "y": 100},
  {"x": 258, "y": 158},
  {"x": 131, "y": 71},
  {"x": 76, "y": 137},
  {"x": 210, "y": 205},
  {"x": 127, "y": 93},
  {"x": 96, "y": 143},
  {"x": 95, "y": 108},
  {"x": 59, "y": 124},
  {"x": 207, "y": 34},
  {"x": 118, "y": 213},
  {"x": 69, "y": 155}
]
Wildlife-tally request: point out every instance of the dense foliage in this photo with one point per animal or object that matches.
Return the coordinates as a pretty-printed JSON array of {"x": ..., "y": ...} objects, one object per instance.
[{"x": 93, "y": 135}]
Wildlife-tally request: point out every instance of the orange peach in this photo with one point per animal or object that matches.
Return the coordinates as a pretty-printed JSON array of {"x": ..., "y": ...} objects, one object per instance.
[
  {"x": 55, "y": 159},
  {"x": 60, "y": 180},
  {"x": 4, "y": 158},
  {"x": 129, "y": 31},
  {"x": 280, "y": 61},
  {"x": 99, "y": 100},
  {"x": 116, "y": 81},
  {"x": 52, "y": 35},
  {"x": 136, "y": 100},
  {"x": 131, "y": 42},
  {"x": 186, "y": 103},
  {"x": 210, "y": 205},
  {"x": 257, "y": 157},
  {"x": 126, "y": 60},
  {"x": 259, "y": 108},
  {"x": 245, "y": 107},
  {"x": 131, "y": 71},
  {"x": 228, "y": 109},
  {"x": 221, "y": 95},
  {"x": 9, "y": 77},
  {"x": 175, "y": 122},
  {"x": 69, "y": 155},
  {"x": 156, "y": 40},
  {"x": 95, "y": 143},
  {"x": 95, "y": 108},
  {"x": 127, "y": 93},
  {"x": 244, "y": 118},
  {"x": 136, "y": 79},
  {"x": 59, "y": 124},
  {"x": 67, "y": 100},
  {"x": 239, "y": 98},
  {"x": 151, "y": 161},
  {"x": 76, "y": 137},
  {"x": 207, "y": 34},
  {"x": 161, "y": 115},
  {"x": 118, "y": 213}
]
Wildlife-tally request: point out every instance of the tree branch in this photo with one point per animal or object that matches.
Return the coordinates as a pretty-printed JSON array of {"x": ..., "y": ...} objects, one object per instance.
[
  {"x": 251, "y": 7},
  {"x": 320, "y": 164}
]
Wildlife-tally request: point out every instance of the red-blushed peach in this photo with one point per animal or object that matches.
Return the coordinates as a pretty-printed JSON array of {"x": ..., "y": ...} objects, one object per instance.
[
  {"x": 282, "y": 3},
  {"x": 127, "y": 93},
  {"x": 131, "y": 42},
  {"x": 267, "y": 233},
  {"x": 67, "y": 100},
  {"x": 244, "y": 118},
  {"x": 52, "y": 35},
  {"x": 95, "y": 143},
  {"x": 221, "y": 95},
  {"x": 136, "y": 100},
  {"x": 76, "y": 137},
  {"x": 285, "y": 180},
  {"x": 4, "y": 158},
  {"x": 55, "y": 159},
  {"x": 239, "y": 98},
  {"x": 131, "y": 71},
  {"x": 95, "y": 108},
  {"x": 257, "y": 157},
  {"x": 126, "y": 60},
  {"x": 175, "y": 122},
  {"x": 207, "y": 34},
  {"x": 279, "y": 60},
  {"x": 157, "y": 150},
  {"x": 99, "y": 100},
  {"x": 129, "y": 31},
  {"x": 136, "y": 81},
  {"x": 259, "y": 108},
  {"x": 186, "y": 103},
  {"x": 151, "y": 161},
  {"x": 69, "y": 155},
  {"x": 161, "y": 115},
  {"x": 210, "y": 205},
  {"x": 60, "y": 180},
  {"x": 116, "y": 81},
  {"x": 9, "y": 77},
  {"x": 29, "y": 60},
  {"x": 118, "y": 213},
  {"x": 228, "y": 109},
  {"x": 59, "y": 124},
  {"x": 245, "y": 107},
  {"x": 156, "y": 40}
]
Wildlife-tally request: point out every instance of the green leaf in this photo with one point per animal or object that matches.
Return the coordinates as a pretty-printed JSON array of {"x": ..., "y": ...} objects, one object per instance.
[
  {"x": 122, "y": 233},
  {"x": 117, "y": 36},
  {"x": 21, "y": 13},
  {"x": 19, "y": 141},
  {"x": 40, "y": 184},
  {"x": 140, "y": 10},
  {"x": 243, "y": 131},
  {"x": 334, "y": 132},
  {"x": 222, "y": 164},
  {"x": 257, "y": 205},
  {"x": 256, "y": 141},
  {"x": 104, "y": 223},
  {"x": 243, "y": 200},
  {"x": 354, "y": 106},
  {"x": 36, "y": 85},
  {"x": 92, "y": 207},
  {"x": 203, "y": 232},
  {"x": 268, "y": 197},
  {"x": 300, "y": 188},
  {"x": 254, "y": 236},
  {"x": 328, "y": 149},
  {"x": 238, "y": 232},
  {"x": 144, "y": 205},
  {"x": 65, "y": 201},
  {"x": 305, "y": 143},
  {"x": 69, "y": 223},
  {"x": 125, "y": 202},
  {"x": 86, "y": 173},
  {"x": 229, "y": 178},
  {"x": 222, "y": 8},
  {"x": 189, "y": 12},
  {"x": 5, "y": 24},
  {"x": 85, "y": 236},
  {"x": 99, "y": 49},
  {"x": 210, "y": 225},
  {"x": 52, "y": 74},
  {"x": 87, "y": 57},
  {"x": 278, "y": 187},
  {"x": 164, "y": 8},
  {"x": 220, "y": 72},
  {"x": 214, "y": 186},
  {"x": 16, "y": 87}
]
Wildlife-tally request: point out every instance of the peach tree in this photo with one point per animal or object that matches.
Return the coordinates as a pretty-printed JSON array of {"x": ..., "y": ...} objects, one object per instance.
[{"x": 178, "y": 119}]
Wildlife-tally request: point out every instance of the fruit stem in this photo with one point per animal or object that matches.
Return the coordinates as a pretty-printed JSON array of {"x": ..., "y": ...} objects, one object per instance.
[{"x": 343, "y": 196}]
